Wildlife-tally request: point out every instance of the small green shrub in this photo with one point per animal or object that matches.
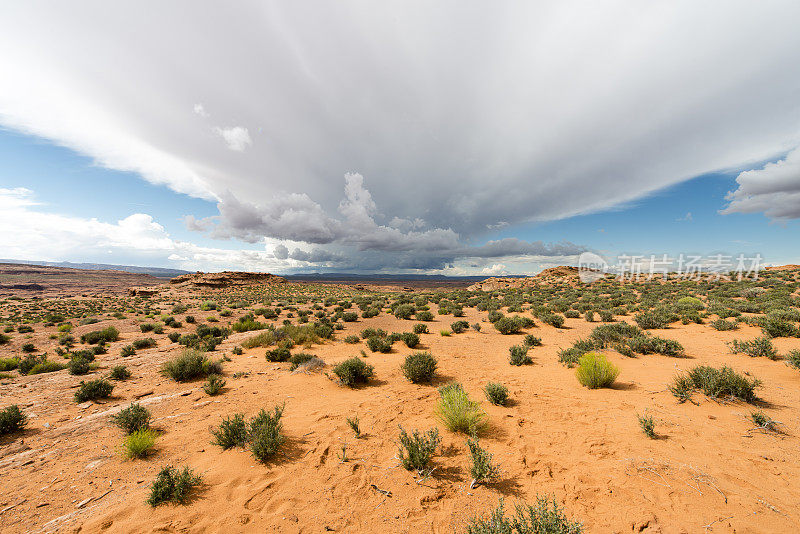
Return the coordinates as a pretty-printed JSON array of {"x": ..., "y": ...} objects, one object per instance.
[
  {"x": 213, "y": 385},
  {"x": 417, "y": 450},
  {"x": 715, "y": 383},
  {"x": 507, "y": 325},
  {"x": 12, "y": 420},
  {"x": 280, "y": 354},
  {"x": 553, "y": 319},
  {"x": 595, "y": 371},
  {"x": 458, "y": 327},
  {"x": 106, "y": 335},
  {"x": 119, "y": 372},
  {"x": 353, "y": 371},
  {"x": 545, "y": 517},
  {"x": 722, "y": 325},
  {"x": 379, "y": 344},
  {"x": 189, "y": 365},
  {"x": 78, "y": 366},
  {"x": 532, "y": 341},
  {"x": 144, "y": 343},
  {"x": 647, "y": 424},
  {"x": 232, "y": 432},
  {"x": 410, "y": 339},
  {"x": 419, "y": 367},
  {"x": 172, "y": 486},
  {"x": 352, "y": 339},
  {"x": 134, "y": 417},
  {"x": 481, "y": 469},
  {"x": 518, "y": 355},
  {"x": 266, "y": 433},
  {"x": 299, "y": 359},
  {"x": 405, "y": 311},
  {"x": 99, "y": 388},
  {"x": 496, "y": 393},
  {"x": 421, "y": 328},
  {"x": 423, "y": 315},
  {"x": 793, "y": 358},
  {"x": 755, "y": 348}
]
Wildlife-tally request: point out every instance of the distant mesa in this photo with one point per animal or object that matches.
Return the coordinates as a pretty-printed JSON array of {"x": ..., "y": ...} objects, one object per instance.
[
  {"x": 225, "y": 279},
  {"x": 562, "y": 272}
]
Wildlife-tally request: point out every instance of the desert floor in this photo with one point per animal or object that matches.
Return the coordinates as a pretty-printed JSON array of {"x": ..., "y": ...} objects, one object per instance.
[{"x": 706, "y": 472}]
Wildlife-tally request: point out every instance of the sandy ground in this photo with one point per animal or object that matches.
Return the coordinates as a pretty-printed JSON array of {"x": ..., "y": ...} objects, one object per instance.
[{"x": 705, "y": 473}]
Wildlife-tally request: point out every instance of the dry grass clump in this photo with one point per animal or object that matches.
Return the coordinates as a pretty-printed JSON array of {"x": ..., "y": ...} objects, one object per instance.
[
  {"x": 139, "y": 444},
  {"x": 595, "y": 371},
  {"x": 457, "y": 412}
]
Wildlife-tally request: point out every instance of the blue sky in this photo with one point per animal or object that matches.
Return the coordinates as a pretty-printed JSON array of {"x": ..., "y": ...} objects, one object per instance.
[
  {"x": 387, "y": 138},
  {"x": 684, "y": 218}
]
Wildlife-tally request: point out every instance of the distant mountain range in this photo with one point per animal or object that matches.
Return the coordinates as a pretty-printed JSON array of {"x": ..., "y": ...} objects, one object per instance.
[{"x": 160, "y": 272}]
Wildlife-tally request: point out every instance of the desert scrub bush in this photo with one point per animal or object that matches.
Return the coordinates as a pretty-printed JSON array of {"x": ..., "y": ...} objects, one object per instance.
[
  {"x": 722, "y": 325},
  {"x": 457, "y": 412},
  {"x": 764, "y": 422},
  {"x": 248, "y": 323},
  {"x": 647, "y": 425},
  {"x": 352, "y": 339},
  {"x": 119, "y": 372},
  {"x": 373, "y": 332},
  {"x": 496, "y": 393},
  {"x": 773, "y": 326},
  {"x": 145, "y": 343},
  {"x": 213, "y": 385},
  {"x": 172, "y": 486},
  {"x": 299, "y": 359},
  {"x": 518, "y": 355},
  {"x": 656, "y": 318},
  {"x": 507, "y": 325},
  {"x": 755, "y": 348},
  {"x": 140, "y": 443},
  {"x": 545, "y": 517},
  {"x": 417, "y": 450},
  {"x": 280, "y": 354},
  {"x": 379, "y": 344},
  {"x": 42, "y": 365},
  {"x": 481, "y": 468},
  {"x": 793, "y": 358},
  {"x": 350, "y": 317},
  {"x": 353, "y": 371},
  {"x": 532, "y": 341},
  {"x": 99, "y": 388},
  {"x": 189, "y": 365},
  {"x": 263, "y": 339},
  {"x": 595, "y": 371},
  {"x": 604, "y": 335},
  {"x": 28, "y": 347},
  {"x": 553, "y": 319},
  {"x": 690, "y": 303},
  {"x": 420, "y": 328},
  {"x": 715, "y": 383},
  {"x": 410, "y": 339},
  {"x": 419, "y": 367},
  {"x": 12, "y": 420},
  {"x": 106, "y": 335},
  {"x": 405, "y": 311},
  {"x": 127, "y": 350},
  {"x": 78, "y": 366},
  {"x": 134, "y": 417},
  {"x": 265, "y": 433},
  {"x": 423, "y": 315},
  {"x": 572, "y": 314},
  {"x": 8, "y": 364},
  {"x": 458, "y": 327},
  {"x": 232, "y": 432}
]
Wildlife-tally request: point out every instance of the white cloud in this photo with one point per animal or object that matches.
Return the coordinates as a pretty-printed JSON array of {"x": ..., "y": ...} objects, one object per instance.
[
  {"x": 237, "y": 138},
  {"x": 773, "y": 190},
  {"x": 494, "y": 270},
  {"x": 685, "y": 218},
  {"x": 200, "y": 110}
]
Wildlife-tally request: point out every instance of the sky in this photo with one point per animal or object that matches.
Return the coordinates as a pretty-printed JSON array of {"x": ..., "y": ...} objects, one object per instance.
[{"x": 462, "y": 138}]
